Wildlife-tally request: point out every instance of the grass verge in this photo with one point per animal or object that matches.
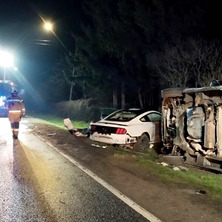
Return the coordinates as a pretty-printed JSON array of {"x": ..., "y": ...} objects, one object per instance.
[
  {"x": 58, "y": 121},
  {"x": 194, "y": 177},
  {"x": 199, "y": 179}
]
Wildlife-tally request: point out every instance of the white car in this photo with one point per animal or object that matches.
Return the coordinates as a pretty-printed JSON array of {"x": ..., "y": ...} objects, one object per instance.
[{"x": 130, "y": 127}]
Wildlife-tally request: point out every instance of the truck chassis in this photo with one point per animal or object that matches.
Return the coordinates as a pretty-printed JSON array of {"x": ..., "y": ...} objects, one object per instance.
[{"x": 192, "y": 125}]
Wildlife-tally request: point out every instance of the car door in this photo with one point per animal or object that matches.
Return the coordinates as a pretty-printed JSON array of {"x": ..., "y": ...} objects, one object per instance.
[{"x": 153, "y": 121}]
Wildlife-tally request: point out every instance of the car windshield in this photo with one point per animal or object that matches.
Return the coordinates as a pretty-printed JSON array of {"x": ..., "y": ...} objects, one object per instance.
[{"x": 124, "y": 115}]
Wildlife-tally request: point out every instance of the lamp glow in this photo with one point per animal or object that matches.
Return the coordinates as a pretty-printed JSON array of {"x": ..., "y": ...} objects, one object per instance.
[
  {"x": 48, "y": 26},
  {"x": 6, "y": 59}
]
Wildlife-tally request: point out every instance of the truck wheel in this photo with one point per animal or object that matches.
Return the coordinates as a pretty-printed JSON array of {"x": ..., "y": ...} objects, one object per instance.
[{"x": 143, "y": 143}]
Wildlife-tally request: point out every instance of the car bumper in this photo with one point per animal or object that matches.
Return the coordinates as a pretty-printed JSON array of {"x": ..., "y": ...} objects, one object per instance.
[{"x": 113, "y": 139}]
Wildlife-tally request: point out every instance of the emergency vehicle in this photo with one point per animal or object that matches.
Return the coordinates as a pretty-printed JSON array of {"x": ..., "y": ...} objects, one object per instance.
[{"x": 6, "y": 87}]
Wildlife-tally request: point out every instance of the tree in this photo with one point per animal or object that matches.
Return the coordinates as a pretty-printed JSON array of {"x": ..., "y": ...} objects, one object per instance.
[
  {"x": 128, "y": 32},
  {"x": 173, "y": 66},
  {"x": 196, "y": 61},
  {"x": 207, "y": 61},
  {"x": 117, "y": 44},
  {"x": 58, "y": 81}
]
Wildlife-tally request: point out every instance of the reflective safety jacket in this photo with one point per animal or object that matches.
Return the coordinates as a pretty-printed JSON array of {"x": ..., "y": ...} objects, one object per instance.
[{"x": 16, "y": 108}]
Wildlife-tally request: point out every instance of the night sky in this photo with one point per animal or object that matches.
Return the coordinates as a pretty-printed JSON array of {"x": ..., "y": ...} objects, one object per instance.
[{"x": 21, "y": 32}]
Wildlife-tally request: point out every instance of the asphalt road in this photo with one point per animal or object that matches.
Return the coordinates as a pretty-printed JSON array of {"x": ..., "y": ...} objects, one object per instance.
[{"x": 39, "y": 184}]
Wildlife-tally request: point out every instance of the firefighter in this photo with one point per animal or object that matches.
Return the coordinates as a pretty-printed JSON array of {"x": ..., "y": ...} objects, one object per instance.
[{"x": 16, "y": 109}]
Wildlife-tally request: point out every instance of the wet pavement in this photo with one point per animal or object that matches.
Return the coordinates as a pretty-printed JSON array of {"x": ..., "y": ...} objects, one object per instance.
[{"x": 39, "y": 184}]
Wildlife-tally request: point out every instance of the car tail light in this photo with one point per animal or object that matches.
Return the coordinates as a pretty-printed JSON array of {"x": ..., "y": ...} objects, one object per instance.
[
  {"x": 92, "y": 127},
  {"x": 121, "y": 131}
]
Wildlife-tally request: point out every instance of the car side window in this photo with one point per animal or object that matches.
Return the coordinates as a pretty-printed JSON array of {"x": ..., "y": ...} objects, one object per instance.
[
  {"x": 145, "y": 119},
  {"x": 152, "y": 117}
]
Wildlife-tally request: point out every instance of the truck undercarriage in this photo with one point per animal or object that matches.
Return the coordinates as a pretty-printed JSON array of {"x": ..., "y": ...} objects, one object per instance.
[{"x": 192, "y": 125}]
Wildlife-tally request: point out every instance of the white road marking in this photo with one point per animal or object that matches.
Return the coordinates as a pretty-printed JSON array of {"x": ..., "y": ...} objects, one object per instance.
[{"x": 117, "y": 193}]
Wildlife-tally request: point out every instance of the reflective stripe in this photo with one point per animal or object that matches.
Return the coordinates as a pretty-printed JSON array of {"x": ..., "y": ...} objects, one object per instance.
[
  {"x": 14, "y": 111},
  {"x": 14, "y": 100}
]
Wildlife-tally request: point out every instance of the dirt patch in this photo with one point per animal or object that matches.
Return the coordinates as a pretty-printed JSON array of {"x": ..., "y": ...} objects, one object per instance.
[{"x": 167, "y": 201}]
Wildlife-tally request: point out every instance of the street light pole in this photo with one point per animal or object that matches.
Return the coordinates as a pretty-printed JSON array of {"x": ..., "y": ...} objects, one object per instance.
[
  {"x": 49, "y": 27},
  {"x": 72, "y": 84},
  {"x": 4, "y": 73}
]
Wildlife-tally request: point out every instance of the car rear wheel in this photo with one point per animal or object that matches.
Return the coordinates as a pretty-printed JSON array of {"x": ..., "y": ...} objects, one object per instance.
[{"x": 143, "y": 143}]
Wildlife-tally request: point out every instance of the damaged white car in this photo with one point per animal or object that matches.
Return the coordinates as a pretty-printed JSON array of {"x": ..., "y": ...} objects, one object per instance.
[{"x": 134, "y": 128}]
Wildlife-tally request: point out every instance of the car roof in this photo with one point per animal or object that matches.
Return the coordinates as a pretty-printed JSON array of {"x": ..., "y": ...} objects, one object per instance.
[
  {"x": 139, "y": 111},
  {"x": 135, "y": 111}
]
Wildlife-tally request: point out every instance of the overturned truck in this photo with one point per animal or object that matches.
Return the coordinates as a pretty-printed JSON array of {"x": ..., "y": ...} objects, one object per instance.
[{"x": 192, "y": 125}]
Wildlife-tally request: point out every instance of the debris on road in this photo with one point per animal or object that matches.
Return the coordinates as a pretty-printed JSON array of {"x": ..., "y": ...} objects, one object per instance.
[
  {"x": 175, "y": 168},
  {"x": 51, "y": 134},
  {"x": 73, "y": 131},
  {"x": 96, "y": 145},
  {"x": 164, "y": 164},
  {"x": 183, "y": 168},
  {"x": 201, "y": 192}
]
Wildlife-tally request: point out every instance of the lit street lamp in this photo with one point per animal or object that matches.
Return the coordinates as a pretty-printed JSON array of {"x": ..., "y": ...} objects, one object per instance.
[
  {"x": 6, "y": 60},
  {"x": 48, "y": 26}
]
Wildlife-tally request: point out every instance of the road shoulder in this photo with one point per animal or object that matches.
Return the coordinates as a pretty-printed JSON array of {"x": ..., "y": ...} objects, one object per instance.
[{"x": 167, "y": 201}]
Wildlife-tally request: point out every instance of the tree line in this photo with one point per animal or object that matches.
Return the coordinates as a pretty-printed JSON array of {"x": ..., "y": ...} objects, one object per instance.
[{"x": 126, "y": 51}]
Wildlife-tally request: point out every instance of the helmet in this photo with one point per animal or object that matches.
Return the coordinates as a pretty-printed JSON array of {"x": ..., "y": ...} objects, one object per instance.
[{"x": 15, "y": 92}]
